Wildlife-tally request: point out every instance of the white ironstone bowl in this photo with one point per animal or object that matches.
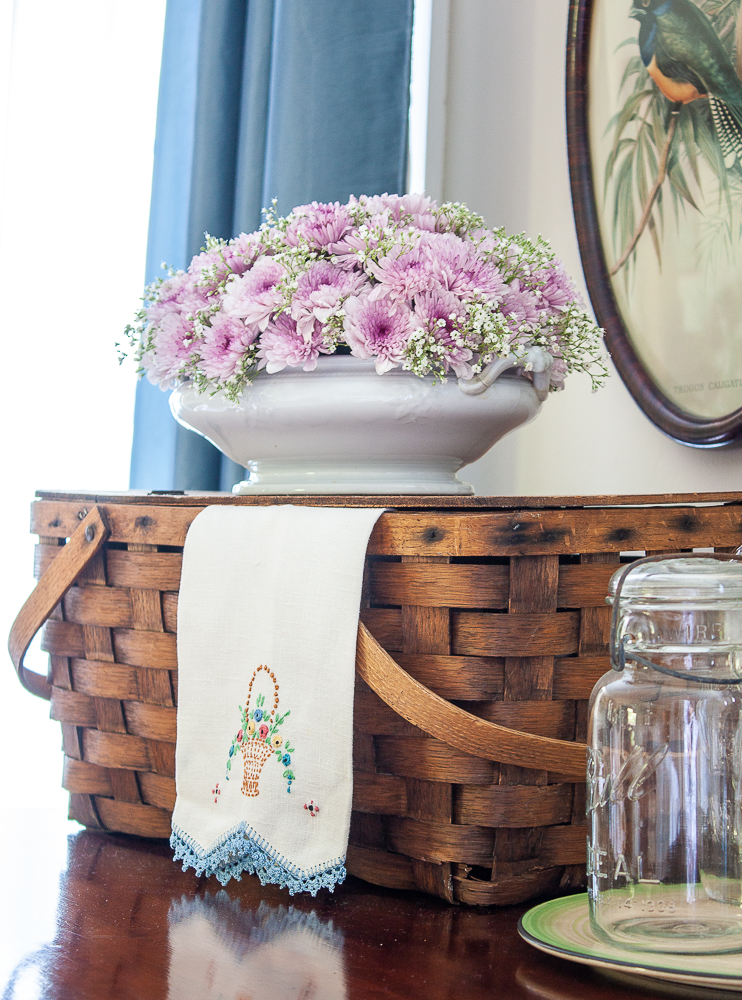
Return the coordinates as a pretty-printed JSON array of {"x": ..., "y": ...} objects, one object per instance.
[{"x": 344, "y": 429}]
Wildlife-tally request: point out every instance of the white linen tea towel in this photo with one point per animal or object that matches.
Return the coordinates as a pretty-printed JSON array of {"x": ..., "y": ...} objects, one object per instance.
[{"x": 267, "y": 624}]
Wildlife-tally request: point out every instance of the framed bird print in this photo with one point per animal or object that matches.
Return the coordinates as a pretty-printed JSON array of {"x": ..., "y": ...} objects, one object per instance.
[{"x": 654, "y": 120}]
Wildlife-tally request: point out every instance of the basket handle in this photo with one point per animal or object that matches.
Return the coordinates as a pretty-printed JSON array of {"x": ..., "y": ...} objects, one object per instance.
[
  {"x": 84, "y": 543},
  {"x": 459, "y": 729},
  {"x": 401, "y": 692}
]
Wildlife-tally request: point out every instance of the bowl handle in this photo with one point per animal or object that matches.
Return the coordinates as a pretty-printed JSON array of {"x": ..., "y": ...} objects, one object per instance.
[{"x": 539, "y": 360}]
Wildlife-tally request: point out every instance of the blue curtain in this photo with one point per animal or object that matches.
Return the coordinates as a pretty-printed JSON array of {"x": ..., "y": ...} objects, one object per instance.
[{"x": 259, "y": 99}]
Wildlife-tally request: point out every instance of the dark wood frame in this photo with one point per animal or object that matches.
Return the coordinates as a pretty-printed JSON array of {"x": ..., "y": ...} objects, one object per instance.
[{"x": 678, "y": 424}]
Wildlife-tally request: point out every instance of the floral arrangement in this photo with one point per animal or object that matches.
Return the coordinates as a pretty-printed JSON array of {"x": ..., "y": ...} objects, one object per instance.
[{"x": 397, "y": 279}]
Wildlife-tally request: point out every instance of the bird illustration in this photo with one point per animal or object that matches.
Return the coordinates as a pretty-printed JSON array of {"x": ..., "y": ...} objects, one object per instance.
[{"x": 686, "y": 59}]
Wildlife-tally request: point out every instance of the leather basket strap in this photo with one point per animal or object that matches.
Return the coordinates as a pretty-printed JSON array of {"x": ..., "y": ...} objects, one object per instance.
[
  {"x": 459, "y": 729},
  {"x": 85, "y": 541}
]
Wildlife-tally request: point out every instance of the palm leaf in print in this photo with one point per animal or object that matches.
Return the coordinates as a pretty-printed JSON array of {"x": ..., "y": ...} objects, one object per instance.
[{"x": 657, "y": 148}]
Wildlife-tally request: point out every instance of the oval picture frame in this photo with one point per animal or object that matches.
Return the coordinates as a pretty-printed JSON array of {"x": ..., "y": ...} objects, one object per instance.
[{"x": 680, "y": 424}]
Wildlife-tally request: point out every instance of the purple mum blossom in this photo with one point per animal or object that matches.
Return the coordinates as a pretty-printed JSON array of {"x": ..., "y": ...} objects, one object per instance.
[
  {"x": 419, "y": 207},
  {"x": 248, "y": 247},
  {"x": 177, "y": 294},
  {"x": 376, "y": 207},
  {"x": 213, "y": 266},
  {"x": 171, "y": 329},
  {"x": 385, "y": 209},
  {"x": 210, "y": 267},
  {"x": 486, "y": 241},
  {"x": 380, "y": 221},
  {"x": 373, "y": 204},
  {"x": 403, "y": 274},
  {"x": 175, "y": 288},
  {"x": 520, "y": 304},
  {"x": 377, "y": 329},
  {"x": 234, "y": 257},
  {"x": 559, "y": 372},
  {"x": 224, "y": 345},
  {"x": 281, "y": 344},
  {"x": 554, "y": 288},
  {"x": 440, "y": 313},
  {"x": 346, "y": 251},
  {"x": 254, "y": 295},
  {"x": 319, "y": 224},
  {"x": 459, "y": 269},
  {"x": 171, "y": 351},
  {"x": 417, "y": 204},
  {"x": 320, "y": 292}
]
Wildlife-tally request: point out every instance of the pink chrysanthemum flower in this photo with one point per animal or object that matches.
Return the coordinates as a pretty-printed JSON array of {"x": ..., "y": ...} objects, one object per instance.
[
  {"x": 247, "y": 247},
  {"x": 223, "y": 346},
  {"x": 459, "y": 269},
  {"x": 211, "y": 267},
  {"x": 485, "y": 240},
  {"x": 373, "y": 204},
  {"x": 418, "y": 207},
  {"x": 378, "y": 329},
  {"x": 559, "y": 372},
  {"x": 520, "y": 305},
  {"x": 402, "y": 274},
  {"x": 170, "y": 320},
  {"x": 391, "y": 209},
  {"x": 254, "y": 295},
  {"x": 553, "y": 288},
  {"x": 350, "y": 252},
  {"x": 174, "y": 289},
  {"x": 442, "y": 315},
  {"x": 172, "y": 349},
  {"x": 319, "y": 224},
  {"x": 178, "y": 293},
  {"x": 281, "y": 344},
  {"x": 320, "y": 292}
]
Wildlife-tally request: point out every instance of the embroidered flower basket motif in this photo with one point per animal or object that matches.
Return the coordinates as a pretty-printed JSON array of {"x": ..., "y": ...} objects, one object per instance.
[
  {"x": 255, "y": 754},
  {"x": 259, "y": 737}
]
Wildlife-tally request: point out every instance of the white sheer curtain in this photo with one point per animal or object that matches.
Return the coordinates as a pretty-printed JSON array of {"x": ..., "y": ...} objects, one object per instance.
[{"x": 78, "y": 97}]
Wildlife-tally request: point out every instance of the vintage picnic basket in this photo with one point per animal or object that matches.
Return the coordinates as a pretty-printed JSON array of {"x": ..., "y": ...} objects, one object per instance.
[{"x": 484, "y": 629}]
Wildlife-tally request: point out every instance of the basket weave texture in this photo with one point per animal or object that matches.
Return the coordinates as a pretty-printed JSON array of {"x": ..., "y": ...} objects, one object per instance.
[{"x": 500, "y": 611}]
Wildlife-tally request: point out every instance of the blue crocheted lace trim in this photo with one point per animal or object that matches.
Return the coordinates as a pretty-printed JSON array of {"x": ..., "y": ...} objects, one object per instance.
[{"x": 243, "y": 850}]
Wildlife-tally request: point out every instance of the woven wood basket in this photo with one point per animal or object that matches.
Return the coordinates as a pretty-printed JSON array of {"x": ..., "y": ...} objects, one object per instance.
[{"x": 468, "y": 755}]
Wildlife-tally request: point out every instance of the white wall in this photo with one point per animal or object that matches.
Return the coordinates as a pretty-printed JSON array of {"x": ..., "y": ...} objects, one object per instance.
[
  {"x": 505, "y": 155},
  {"x": 78, "y": 96}
]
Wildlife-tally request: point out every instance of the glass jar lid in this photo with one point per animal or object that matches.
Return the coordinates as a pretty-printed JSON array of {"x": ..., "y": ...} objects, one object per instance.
[{"x": 680, "y": 579}]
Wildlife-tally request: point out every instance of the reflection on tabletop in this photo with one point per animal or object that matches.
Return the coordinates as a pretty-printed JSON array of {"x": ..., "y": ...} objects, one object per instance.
[
  {"x": 131, "y": 925},
  {"x": 217, "y": 950},
  {"x": 549, "y": 984}
]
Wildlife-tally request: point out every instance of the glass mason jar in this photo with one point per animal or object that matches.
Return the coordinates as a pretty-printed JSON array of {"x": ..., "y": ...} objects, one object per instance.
[{"x": 664, "y": 795}]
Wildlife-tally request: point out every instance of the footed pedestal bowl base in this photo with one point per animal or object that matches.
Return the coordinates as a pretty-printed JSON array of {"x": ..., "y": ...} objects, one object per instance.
[{"x": 354, "y": 477}]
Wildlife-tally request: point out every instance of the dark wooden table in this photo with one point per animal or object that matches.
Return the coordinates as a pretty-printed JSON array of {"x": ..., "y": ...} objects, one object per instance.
[{"x": 131, "y": 925}]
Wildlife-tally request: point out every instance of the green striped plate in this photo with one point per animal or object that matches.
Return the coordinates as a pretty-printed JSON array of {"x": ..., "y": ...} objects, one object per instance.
[{"x": 561, "y": 927}]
